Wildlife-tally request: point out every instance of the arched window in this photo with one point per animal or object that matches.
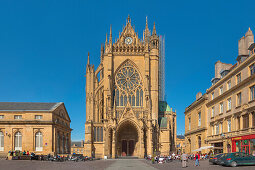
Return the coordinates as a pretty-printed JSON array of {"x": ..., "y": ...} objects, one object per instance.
[
  {"x": 38, "y": 141},
  {"x": 129, "y": 85},
  {"x": 18, "y": 141},
  {"x": 1, "y": 141}
]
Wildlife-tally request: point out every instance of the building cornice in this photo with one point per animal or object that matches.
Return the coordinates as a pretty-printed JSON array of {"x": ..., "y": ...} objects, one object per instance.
[
  {"x": 195, "y": 131},
  {"x": 196, "y": 103},
  {"x": 222, "y": 96}
]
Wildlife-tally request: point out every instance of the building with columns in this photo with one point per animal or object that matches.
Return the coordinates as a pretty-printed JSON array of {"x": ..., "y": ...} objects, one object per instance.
[
  {"x": 124, "y": 112},
  {"x": 231, "y": 102}
]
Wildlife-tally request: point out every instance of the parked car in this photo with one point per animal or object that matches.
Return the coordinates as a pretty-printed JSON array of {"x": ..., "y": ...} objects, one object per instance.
[
  {"x": 238, "y": 158},
  {"x": 213, "y": 160}
]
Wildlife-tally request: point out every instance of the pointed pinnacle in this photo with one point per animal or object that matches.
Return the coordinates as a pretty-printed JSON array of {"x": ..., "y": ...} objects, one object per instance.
[
  {"x": 110, "y": 30},
  {"x": 106, "y": 41},
  {"x": 88, "y": 59},
  {"x": 146, "y": 21},
  {"x": 154, "y": 30},
  {"x": 128, "y": 18},
  {"x": 110, "y": 37}
]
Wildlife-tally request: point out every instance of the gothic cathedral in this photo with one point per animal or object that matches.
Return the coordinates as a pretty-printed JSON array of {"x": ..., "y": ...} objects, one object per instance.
[{"x": 124, "y": 113}]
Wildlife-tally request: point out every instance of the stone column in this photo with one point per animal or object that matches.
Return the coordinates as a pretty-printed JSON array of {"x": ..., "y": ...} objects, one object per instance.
[
  {"x": 241, "y": 122},
  {"x": 142, "y": 144},
  {"x": 113, "y": 144},
  {"x": 250, "y": 120}
]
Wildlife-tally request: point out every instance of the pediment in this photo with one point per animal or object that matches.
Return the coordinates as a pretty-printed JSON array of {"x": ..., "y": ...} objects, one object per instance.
[{"x": 128, "y": 31}]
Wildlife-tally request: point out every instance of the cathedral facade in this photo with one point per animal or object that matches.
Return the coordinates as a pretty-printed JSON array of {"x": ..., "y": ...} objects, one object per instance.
[{"x": 124, "y": 114}]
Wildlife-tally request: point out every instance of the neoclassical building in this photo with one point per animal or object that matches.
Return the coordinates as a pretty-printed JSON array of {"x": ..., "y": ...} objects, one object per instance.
[
  {"x": 124, "y": 113},
  {"x": 41, "y": 128}
]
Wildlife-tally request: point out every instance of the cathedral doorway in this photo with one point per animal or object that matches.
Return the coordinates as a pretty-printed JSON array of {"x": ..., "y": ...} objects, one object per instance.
[{"x": 127, "y": 140}]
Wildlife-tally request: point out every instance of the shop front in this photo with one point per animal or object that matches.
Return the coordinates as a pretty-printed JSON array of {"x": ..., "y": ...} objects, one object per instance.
[{"x": 244, "y": 144}]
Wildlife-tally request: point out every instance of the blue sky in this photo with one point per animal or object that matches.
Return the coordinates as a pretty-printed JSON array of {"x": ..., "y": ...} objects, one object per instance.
[{"x": 44, "y": 46}]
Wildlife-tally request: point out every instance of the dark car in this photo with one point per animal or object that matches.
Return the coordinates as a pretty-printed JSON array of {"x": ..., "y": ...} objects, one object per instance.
[
  {"x": 238, "y": 158},
  {"x": 213, "y": 160}
]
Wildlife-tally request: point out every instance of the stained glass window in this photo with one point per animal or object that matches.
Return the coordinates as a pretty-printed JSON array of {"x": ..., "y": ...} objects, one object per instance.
[{"x": 129, "y": 85}]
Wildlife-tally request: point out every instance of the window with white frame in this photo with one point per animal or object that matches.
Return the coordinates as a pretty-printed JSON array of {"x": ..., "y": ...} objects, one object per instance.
[
  {"x": 217, "y": 129},
  {"x": 38, "y": 117},
  {"x": 238, "y": 78},
  {"x": 212, "y": 114},
  {"x": 1, "y": 116},
  {"x": 229, "y": 125},
  {"x": 229, "y": 104},
  {"x": 17, "y": 117},
  {"x": 38, "y": 141},
  {"x": 1, "y": 141},
  {"x": 212, "y": 95},
  {"x": 189, "y": 123},
  {"x": 18, "y": 141},
  {"x": 229, "y": 85},
  {"x": 221, "y": 127},
  {"x": 221, "y": 107},
  {"x": 239, "y": 99},
  {"x": 221, "y": 90},
  {"x": 252, "y": 92},
  {"x": 199, "y": 119}
]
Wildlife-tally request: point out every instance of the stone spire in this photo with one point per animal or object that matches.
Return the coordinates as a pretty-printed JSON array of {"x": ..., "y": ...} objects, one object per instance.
[
  {"x": 128, "y": 19},
  {"x": 106, "y": 41},
  {"x": 146, "y": 32},
  {"x": 154, "y": 30},
  {"x": 88, "y": 59},
  {"x": 110, "y": 37}
]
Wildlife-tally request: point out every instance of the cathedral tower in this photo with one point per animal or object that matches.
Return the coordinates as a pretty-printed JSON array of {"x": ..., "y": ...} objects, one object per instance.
[{"x": 123, "y": 117}]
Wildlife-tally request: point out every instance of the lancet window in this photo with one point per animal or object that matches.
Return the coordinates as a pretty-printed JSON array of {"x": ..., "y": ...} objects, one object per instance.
[{"x": 128, "y": 86}]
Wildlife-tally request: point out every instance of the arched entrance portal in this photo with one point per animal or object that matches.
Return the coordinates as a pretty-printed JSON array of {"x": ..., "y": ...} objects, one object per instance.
[{"x": 127, "y": 139}]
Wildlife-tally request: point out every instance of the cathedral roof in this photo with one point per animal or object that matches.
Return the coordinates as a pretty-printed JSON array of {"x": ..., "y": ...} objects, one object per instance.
[
  {"x": 163, "y": 106},
  {"x": 28, "y": 106}
]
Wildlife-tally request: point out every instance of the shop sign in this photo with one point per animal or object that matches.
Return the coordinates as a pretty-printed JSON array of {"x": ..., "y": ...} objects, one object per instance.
[{"x": 238, "y": 138}]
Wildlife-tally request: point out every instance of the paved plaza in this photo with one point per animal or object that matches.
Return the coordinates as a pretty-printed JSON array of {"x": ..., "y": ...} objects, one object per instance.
[{"x": 121, "y": 164}]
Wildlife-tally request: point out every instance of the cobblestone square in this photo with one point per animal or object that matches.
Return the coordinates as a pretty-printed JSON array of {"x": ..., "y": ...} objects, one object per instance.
[{"x": 117, "y": 164}]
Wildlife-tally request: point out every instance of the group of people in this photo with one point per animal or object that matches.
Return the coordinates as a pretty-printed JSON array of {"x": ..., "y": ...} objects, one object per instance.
[
  {"x": 197, "y": 157},
  {"x": 17, "y": 153},
  {"x": 182, "y": 157}
]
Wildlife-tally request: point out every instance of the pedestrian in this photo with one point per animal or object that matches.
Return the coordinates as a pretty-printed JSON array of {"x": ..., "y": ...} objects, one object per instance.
[
  {"x": 184, "y": 160},
  {"x": 27, "y": 152},
  {"x": 197, "y": 157}
]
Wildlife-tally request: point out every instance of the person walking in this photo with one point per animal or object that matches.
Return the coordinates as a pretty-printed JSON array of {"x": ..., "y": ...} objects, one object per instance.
[
  {"x": 197, "y": 157},
  {"x": 184, "y": 160}
]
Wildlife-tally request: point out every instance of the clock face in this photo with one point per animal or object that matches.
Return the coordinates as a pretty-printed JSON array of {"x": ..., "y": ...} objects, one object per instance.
[{"x": 128, "y": 40}]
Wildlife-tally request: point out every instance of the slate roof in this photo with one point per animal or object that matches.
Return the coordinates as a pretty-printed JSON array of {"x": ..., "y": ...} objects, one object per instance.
[
  {"x": 76, "y": 143},
  {"x": 163, "y": 106},
  {"x": 180, "y": 137},
  {"x": 27, "y": 106},
  {"x": 163, "y": 122}
]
